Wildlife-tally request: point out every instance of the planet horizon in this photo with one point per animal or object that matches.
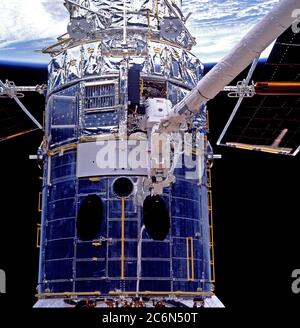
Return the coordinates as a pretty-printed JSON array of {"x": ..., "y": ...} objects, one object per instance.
[{"x": 217, "y": 26}]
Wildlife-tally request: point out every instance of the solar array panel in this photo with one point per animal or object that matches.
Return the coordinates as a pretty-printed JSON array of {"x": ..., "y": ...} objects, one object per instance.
[
  {"x": 263, "y": 119},
  {"x": 13, "y": 121}
]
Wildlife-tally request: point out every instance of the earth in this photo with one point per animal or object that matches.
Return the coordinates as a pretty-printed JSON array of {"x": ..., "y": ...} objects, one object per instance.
[{"x": 217, "y": 25}]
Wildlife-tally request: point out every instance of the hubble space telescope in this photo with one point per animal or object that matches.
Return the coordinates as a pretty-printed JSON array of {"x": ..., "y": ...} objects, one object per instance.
[{"x": 126, "y": 199}]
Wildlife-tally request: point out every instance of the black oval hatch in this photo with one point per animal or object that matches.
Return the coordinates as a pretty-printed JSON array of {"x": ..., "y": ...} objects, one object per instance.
[
  {"x": 156, "y": 217},
  {"x": 89, "y": 218}
]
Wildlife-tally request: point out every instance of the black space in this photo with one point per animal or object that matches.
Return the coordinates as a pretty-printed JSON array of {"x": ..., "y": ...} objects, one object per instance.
[{"x": 256, "y": 217}]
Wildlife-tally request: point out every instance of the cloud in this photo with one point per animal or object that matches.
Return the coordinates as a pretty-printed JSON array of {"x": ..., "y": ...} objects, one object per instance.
[
  {"x": 217, "y": 24},
  {"x": 7, "y": 48},
  {"x": 31, "y": 20}
]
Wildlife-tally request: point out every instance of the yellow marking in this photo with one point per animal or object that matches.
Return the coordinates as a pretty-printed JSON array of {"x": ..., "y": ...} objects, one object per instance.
[
  {"x": 160, "y": 293},
  {"x": 62, "y": 149},
  {"x": 190, "y": 258},
  {"x": 209, "y": 192},
  {"x": 94, "y": 179},
  {"x": 40, "y": 202},
  {"x": 68, "y": 294},
  {"x": 141, "y": 87},
  {"x": 38, "y": 236},
  {"x": 208, "y": 171},
  {"x": 211, "y": 226},
  {"x": 259, "y": 148},
  {"x": 156, "y": 8},
  {"x": 49, "y": 49},
  {"x": 157, "y": 50}
]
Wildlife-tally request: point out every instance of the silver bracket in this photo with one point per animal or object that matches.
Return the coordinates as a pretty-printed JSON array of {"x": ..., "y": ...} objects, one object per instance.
[
  {"x": 242, "y": 89},
  {"x": 10, "y": 90}
]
